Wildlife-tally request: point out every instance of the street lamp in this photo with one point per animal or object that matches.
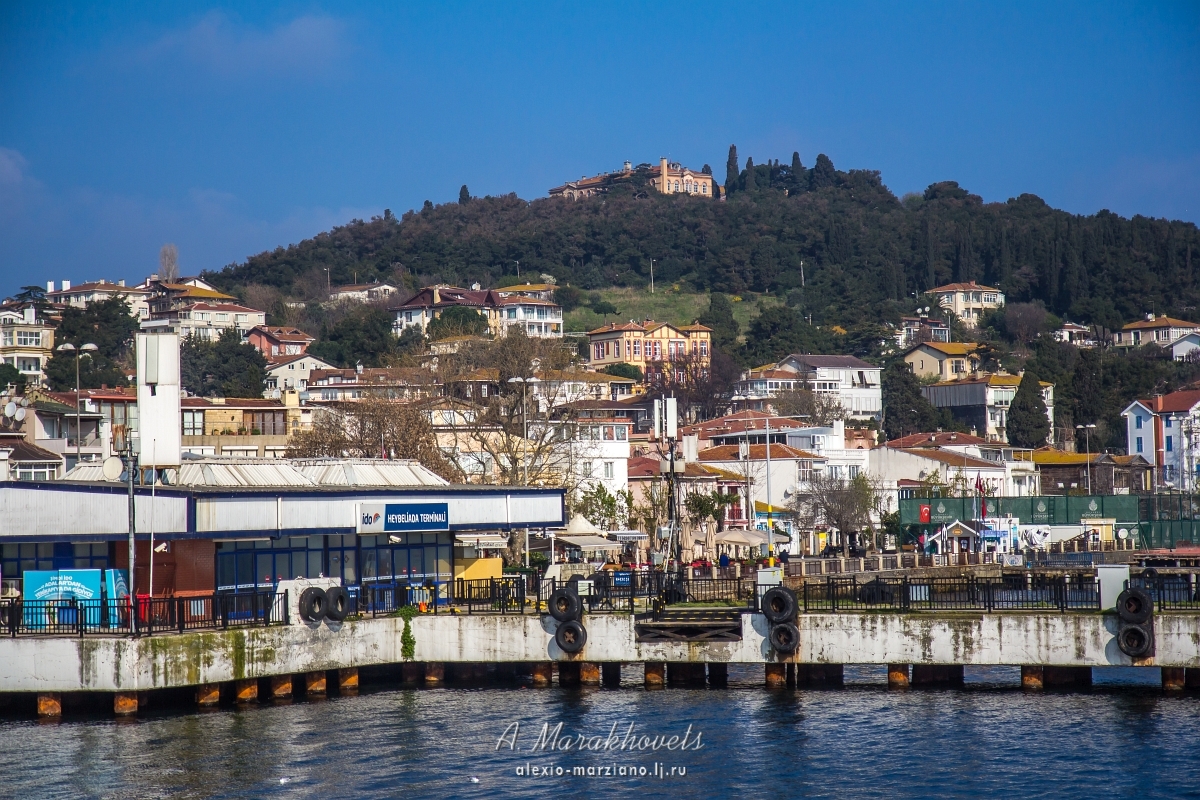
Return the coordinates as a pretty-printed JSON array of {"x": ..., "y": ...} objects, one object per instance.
[
  {"x": 525, "y": 450},
  {"x": 652, "y": 276},
  {"x": 87, "y": 349},
  {"x": 1087, "y": 443}
]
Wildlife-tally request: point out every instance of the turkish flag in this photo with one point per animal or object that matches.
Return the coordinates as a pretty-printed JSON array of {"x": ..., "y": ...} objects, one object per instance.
[{"x": 925, "y": 514}]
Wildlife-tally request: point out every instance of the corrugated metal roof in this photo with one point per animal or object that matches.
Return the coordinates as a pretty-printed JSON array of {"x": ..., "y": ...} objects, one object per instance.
[
  {"x": 369, "y": 473},
  {"x": 272, "y": 472}
]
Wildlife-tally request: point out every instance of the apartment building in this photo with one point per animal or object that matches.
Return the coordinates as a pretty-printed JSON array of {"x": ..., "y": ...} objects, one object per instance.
[
  {"x": 196, "y": 310},
  {"x": 943, "y": 360},
  {"x": 1165, "y": 430},
  {"x": 851, "y": 382},
  {"x": 26, "y": 340},
  {"x": 277, "y": 341},
  {"x": 649, "y": 345},
  {"x": 81, "y": 295},
  {"x": 968, "y": 301},
  {"x": 982, "y": 402},
  {"x": 503, "y": 309}
]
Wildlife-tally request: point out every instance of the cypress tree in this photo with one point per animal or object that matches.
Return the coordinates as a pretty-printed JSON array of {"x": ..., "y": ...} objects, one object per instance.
[
  {"x": 731, "y": 170},
  {"x": 719, "y": 317},
  {"x": 1028, "y": 425},
  {"x": 823, "y": 173},
  {"x": 464, "y": 195},
  {"x": 750, "y": 186}
]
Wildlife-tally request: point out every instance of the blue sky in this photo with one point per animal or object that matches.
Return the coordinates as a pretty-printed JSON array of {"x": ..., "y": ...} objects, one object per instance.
[{"x": 233, "y": 129}]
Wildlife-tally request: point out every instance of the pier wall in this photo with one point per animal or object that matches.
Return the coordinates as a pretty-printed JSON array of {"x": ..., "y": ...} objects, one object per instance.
[{"x": 66, "y": 664}]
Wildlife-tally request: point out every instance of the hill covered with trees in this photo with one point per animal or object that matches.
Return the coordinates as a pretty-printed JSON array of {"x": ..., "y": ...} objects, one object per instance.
[{"x": 838, "y": 245}]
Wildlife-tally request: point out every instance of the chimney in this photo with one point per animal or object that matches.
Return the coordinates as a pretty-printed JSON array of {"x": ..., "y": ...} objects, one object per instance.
[
  {"x": 663, "y": 180},
  {"x": 49, "y": 287},
  {"x": 28, "y": 313},
  {"x": 121, "y": 283},
  {"x": 66, "y": 286},
  {"x": 437, "y": 296}
]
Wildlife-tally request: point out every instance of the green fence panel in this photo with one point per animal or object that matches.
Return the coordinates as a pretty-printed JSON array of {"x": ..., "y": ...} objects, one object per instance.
[{"x": 1045, "y": 509}]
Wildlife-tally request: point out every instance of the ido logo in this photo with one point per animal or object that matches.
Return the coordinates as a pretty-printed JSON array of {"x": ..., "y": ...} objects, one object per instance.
[{"x": 370, "y": 519}]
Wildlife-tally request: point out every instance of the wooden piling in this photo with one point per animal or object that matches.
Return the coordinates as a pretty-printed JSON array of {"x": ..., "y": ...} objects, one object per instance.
[
  {"x": 776, "y": 676},
  {"x": 208, "y": 695},
  {"x": 49, "y": 704},
  {"x": 314, "y": 684},
  {"x": 898, "y": 676},
  {"x": 1174, "y": 679},
  {"x": 125, "y": 704},
  {"x": 656, "y": 674},
  {"x": 1033, "y": 678},
  {"x": 348, "y": 681}
]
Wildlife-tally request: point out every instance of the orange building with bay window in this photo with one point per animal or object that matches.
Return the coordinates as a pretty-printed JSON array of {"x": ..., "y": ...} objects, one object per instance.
[{"x": 648, "y": 344}]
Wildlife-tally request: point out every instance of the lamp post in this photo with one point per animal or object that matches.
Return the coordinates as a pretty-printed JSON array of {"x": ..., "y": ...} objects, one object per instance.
[
  {"x": 652, "y": 276},
  {"x": 88, "y": 349},
  {"x": 1087, "y": 443},
  {"x": 525, "y": 449}
]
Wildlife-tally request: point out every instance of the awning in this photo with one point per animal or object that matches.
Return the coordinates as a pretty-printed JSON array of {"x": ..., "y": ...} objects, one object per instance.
[
  {"x": 485, "y": 541},
  {"x": 591, "y": 543}
]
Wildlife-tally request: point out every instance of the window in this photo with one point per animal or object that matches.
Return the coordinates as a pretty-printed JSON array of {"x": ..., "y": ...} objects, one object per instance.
[
  {"x": 608, "y": 470},
  {"x": 29, "y": 338},
  {"x": 1169, "y": 444},
  {"x": 704, "y": 188},
  {"x": 608, "y": 433},
  {"x": 607, "y": 348},
  {"x": 408, "y": 316},
  {"x": 193, "y": 423},
  {"x": 1167, "y": 424},
  {"x": 621, "y": 433},
  {"x": 628, "y": 348},
  {"x": 8, "y": 339},
  {"x": 1138, "y": 444},
  {"x": 29, "y": 364},
  {"x": 597, "y": 351},
  {"x": 853, "y": 470},
  {"x": 585, "y": 469},
  {"x": 657, "y": 350},
  {"x": 1137, "y": 422},
  {"x": 637, "y": 348},
  {"x": 703, "y": 347}
]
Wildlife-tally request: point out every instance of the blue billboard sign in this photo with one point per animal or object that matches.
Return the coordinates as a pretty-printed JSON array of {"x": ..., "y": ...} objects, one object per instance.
[{"x": 416, "y": 517}]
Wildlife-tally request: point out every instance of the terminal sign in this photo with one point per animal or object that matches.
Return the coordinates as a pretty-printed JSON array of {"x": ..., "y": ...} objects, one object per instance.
[{"x": 416, "y": 517}]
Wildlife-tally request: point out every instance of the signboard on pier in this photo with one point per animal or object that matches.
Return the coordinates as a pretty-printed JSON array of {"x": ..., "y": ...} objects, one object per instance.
[{"x": 401, "y": 517}]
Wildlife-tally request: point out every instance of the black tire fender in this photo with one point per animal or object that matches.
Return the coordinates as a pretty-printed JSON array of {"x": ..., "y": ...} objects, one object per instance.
[
  {"x": 313, "y": 604},
  {"x": 1135, "y": 606},
  {"x": 337, "y": 603},
  {"x": 779, "y": 605},
  {"x": 785, "y": 637},
  {"x": 570, "y": 637},
  {"x": 1135, "y": 641},
  {"x": 564, "y": 604}
]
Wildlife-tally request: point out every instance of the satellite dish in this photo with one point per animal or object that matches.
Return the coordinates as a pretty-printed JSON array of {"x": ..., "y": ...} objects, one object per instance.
[
  {"x": 113, "y": 467},
  {"x": 20, "y": 415},
  {"x": 1123, "y": 533},
  {"x": 24, "y": 402},
  {"x": 10, "y": 408}
]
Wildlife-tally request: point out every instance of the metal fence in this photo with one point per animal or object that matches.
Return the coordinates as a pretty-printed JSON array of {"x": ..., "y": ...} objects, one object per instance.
[
  {"x": 948, "y": 594},
  {"x": 146, "y": 616},
  {"x": 1170, "y": 592}
]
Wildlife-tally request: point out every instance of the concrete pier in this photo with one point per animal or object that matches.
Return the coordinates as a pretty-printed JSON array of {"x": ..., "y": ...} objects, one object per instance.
[
  {"x": 898, "y": 676},
  {"x": 208, "y": 695},
  {"x": 245, "y": 692},
  {"x": 1074, "y": 677},
  {"x": 280, "y": 687},
  {"x": 542, "y": 673},
  {"x": 656, "y": 674},
  {"x": 776, "y": 676},
  {"x": 611, "y": 674},
  {"x": 1174, "y": 679},
  {"x": 937, "y": 675},
  {"x": 125, "y": 704},
  {"x": 314, "y": 684},
  {"x": 49, "y": 704},
  {"x": 348, "y": 681}
]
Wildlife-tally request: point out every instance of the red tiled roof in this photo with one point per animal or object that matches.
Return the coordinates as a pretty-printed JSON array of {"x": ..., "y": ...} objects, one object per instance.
[
  {"x": 758, "y": 452},
  {"x": 960, "y": 287},
  {"x": 951, "y": 459},
  {"x": 938, "y": 439},
  {"x": 1175, "y": 401},
  {"x": 1159, "y": 322},
  {"x": 224, "y": 307}
]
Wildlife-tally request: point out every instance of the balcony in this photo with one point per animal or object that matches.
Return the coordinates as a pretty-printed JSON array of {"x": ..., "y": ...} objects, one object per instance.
[{"x": 91, "y": 445}]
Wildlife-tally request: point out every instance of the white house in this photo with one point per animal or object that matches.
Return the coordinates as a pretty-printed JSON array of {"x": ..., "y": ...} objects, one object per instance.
[
  {"x": 292, "y": 372},
  {"x": 1165, "y": 430},
  {"x": 852, "y": 382},
  {"x": 1160, "y": 330},
  {"x": 968, "y": 301},
  {"x": 982, "y": 402},
  {"x": 1182, "y": 348},
  {"x": 894, "y": 467},
  {"x": 94, "y": 291}
]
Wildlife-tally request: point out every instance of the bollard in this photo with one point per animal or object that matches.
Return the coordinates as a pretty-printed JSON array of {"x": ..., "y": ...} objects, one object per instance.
[
  {"x": 937, "y": 675},
  {"x": 435, "y": 673},
  {"x": 1067, "y": 676},
  {"x": 314, "y": 684},
  {"x": 412, "y": 673},
  {"x": 542, "y": 673},
  {"x": 656, "y": 674},
  {"x": 1032, "y": 678},
  {"x": 245, "y": 691},
  {"x": 281, "y": 687},
  {"x": 718, "y": 674},
  {"x": 1173, "y": 679},
  {"x": 776, "y": 676},
  {"x": 611, "y": 674},
  {"x": 208, "y": 695},
  {"x": 49, "y": 704},
  {"x": 348, "y": 681},
  {"x": 897, "y": 676},
  {"x": 125, "y": 704},
  {"x": 589, "y": 674}
]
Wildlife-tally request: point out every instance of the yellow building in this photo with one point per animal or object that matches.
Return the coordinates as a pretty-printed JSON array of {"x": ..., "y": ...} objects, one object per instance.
[
  {"x": 674, "y": 178},
  {"x": 968, "y": 301},
  {"x": 944, "y": 360},
  {"x": 649, "y": 344},
  {"x": 26, "y": 340}
]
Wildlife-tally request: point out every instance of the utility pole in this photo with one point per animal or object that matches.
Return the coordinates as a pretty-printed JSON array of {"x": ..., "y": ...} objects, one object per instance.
[
  {"x": 770, "y": 534},
  {"x": 652, "y": 276}
]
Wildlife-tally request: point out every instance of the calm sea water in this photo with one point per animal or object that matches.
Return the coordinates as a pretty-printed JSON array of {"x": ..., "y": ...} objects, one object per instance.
[{"x": 1122, "y": 738}]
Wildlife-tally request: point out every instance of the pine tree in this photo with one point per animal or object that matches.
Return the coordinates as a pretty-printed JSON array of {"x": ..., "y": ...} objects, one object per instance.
[
  {"x": 750, "y": 185},
  {"x": 464, "y": 195},
  {"x": 1028, "y": 425},
  {"x": 905, "y": 409},
  {"x": 823, "y": 173},
  {"x": 731, "y": 170}
]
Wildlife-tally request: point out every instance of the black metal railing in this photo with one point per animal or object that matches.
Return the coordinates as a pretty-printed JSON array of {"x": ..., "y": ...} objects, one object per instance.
[
  {"x": 505, "y": 595},
  {"x": 948, "y": 594},
  {"x": 1170, "y": 592},
  {"x": 145, "y": 616}
]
